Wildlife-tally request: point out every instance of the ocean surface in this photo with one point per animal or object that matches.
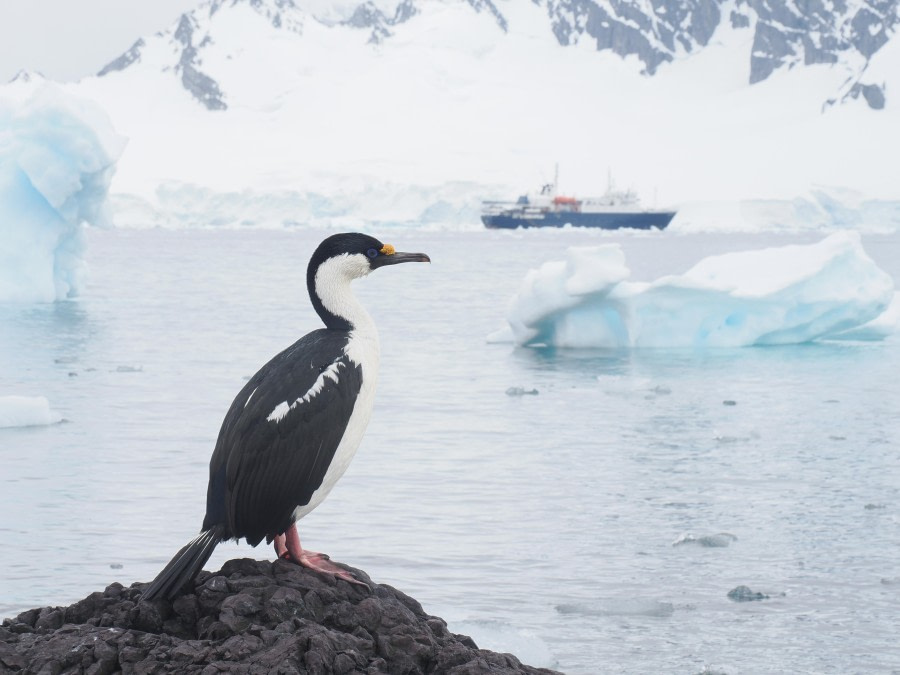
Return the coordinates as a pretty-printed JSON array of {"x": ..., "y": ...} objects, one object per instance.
[{"x": 587, "y": 511}]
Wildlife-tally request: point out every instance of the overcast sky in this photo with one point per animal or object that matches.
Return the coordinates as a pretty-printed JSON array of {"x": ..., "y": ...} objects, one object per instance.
[{"x": 69, "y": 39}]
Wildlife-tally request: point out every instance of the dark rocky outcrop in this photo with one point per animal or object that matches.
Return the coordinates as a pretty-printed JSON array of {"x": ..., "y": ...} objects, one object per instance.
[
  {"x": 202, "y": 86},
  {"x": 872, "y": 93},
  {"x": 653, "y": 32},
  {"x": 133, "y": 55},
  {"x": 250, "y": 617}
]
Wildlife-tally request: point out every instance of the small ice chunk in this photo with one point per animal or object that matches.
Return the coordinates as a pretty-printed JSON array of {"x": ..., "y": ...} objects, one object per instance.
[
  {"x": 26, "y": 411},
  {"x": 521, "y": 391},
  {"x": 720, "y": 540}
]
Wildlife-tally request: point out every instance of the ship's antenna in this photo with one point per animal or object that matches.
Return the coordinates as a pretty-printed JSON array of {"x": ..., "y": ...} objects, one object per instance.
[{"x": 555, "y": 178}]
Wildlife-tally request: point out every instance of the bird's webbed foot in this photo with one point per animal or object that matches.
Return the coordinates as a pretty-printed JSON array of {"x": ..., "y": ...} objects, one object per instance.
[{"x": 287, "y": 546}]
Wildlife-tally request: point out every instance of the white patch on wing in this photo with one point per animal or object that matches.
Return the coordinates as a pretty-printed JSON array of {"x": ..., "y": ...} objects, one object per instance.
[
  {"x": 363, "y": 350},
  {"x": 249, "y": 397},
  {"x": 283, "y": 408},
  {"x": 280, "y": 411}
]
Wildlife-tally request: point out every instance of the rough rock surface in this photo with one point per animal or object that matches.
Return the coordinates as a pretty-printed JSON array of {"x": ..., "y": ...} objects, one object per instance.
[{"x": 250, "y": 617}]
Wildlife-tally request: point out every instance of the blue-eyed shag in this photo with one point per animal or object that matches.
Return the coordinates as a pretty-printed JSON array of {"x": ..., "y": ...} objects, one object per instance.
[{"x": 291, "y": 432}]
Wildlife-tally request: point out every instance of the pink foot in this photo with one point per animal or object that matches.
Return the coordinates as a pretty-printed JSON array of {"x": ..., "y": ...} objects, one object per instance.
[{"x": 288, "y": 546}]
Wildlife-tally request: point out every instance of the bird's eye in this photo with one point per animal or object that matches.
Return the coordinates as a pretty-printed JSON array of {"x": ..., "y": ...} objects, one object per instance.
[{"x": 371, "y": 253}]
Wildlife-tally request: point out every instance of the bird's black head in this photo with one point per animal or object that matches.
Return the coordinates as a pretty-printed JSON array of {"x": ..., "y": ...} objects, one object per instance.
[
  {"x": 349, "y": 246},
  {"x": 341, "y": 258}
]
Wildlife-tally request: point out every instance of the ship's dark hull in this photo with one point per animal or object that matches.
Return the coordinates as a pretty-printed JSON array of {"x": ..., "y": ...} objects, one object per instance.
[{"x": 639, "y": 220}]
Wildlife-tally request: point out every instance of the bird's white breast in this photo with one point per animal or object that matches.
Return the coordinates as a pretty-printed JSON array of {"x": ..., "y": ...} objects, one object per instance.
[{"x": 362, "y": 349}]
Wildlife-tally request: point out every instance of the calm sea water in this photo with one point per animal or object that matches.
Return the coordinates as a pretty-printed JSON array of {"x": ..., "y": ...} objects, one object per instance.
[{"x": 545, "y": 524}]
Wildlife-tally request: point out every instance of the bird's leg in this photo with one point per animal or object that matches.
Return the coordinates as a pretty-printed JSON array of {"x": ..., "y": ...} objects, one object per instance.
[
  {"x": 314, "y": 561},
  {"x": 280, "y": 548}
]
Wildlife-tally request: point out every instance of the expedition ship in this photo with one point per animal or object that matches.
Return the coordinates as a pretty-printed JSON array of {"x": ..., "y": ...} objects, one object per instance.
[{"x": 614, "y": 210}]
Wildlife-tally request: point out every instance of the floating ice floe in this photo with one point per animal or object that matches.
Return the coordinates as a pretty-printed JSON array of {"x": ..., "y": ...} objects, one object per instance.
[
  {"x": 720, "y": 540},
  {"x": 57, "y": 156},
  {"x": 784, "y": 295},
  {"x": 26, "y": 411}
]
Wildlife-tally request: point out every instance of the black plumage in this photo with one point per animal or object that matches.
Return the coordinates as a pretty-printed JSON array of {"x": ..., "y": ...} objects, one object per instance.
[
  {"x": 261, "y": 470},
  {"x": 282, "y": 431}
]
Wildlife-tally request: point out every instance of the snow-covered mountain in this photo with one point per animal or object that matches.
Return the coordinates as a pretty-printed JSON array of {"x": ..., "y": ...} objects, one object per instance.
[
  {"x": 786, "y": 33},
  {"x": 294, "y": 111}
]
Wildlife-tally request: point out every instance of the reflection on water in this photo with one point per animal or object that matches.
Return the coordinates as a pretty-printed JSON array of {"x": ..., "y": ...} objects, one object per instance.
[
  {"x": 552, "y": 359},
  {"x": 494, "y": 510},
  {"x": 34, "y": 332}
]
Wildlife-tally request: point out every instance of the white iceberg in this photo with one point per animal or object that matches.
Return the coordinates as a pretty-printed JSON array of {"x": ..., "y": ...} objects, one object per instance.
[
  {"x": 785, "y": 295},
  {"x": 26, "y": 411},
  {"x": 57, "y": 156},
  {"x": 879, "y": 328}
]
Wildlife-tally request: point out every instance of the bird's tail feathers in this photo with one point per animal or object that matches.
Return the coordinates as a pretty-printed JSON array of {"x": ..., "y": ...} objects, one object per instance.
[{"x": 185, "y": 565}]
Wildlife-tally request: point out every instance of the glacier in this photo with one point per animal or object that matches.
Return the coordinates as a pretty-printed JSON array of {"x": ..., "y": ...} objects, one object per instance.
[
  {"x": 782, "y": 295},
  {"x": 57, "y": 157}
]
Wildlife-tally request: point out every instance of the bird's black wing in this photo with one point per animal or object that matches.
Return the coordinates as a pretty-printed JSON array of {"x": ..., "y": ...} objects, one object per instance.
[{"x": 280, "y": 436}]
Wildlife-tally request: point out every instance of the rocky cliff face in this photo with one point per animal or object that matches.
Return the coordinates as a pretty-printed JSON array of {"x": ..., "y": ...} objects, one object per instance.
[
  {"x": 250, "y": 617},
  {"x": 786, "y": 33},
  {"x": 654, "y": 32}
]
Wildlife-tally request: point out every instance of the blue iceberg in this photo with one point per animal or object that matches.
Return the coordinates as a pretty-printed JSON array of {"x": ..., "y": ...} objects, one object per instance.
[
  {"x": 784, "y": 295},
  {"x": 57, "y": 157}
]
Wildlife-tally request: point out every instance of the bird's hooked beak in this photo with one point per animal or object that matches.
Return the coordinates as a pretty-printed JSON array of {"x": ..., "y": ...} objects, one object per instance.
[{"x": 391, "y": 257}]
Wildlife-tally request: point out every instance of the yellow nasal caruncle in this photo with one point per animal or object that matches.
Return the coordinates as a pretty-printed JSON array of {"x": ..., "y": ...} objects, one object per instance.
[{"x": 387, "y": 249}]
